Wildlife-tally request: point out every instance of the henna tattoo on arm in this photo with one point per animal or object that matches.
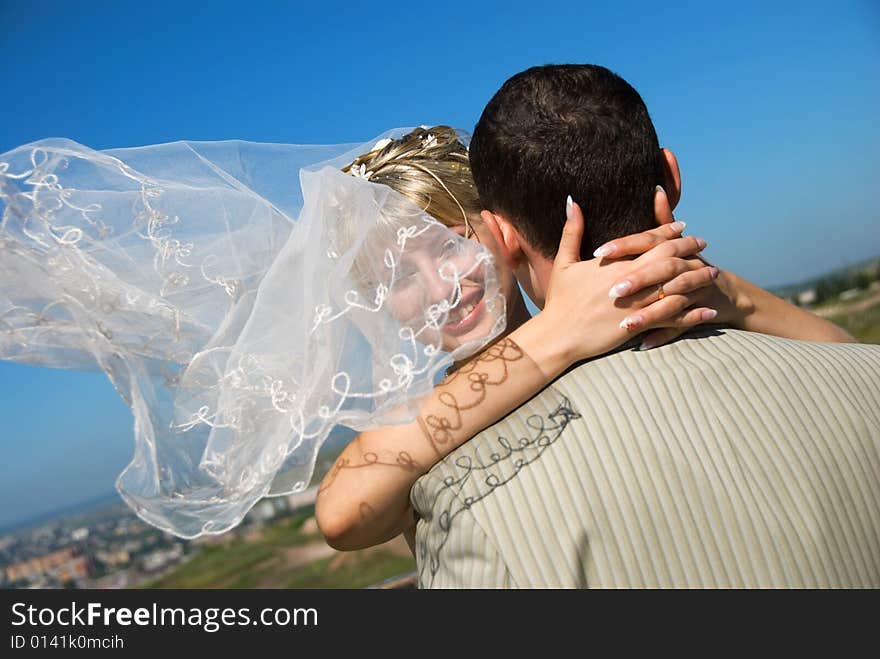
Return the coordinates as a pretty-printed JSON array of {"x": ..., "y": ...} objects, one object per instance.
[
  {"x": 489, "y": 368},
  {"x": 447, "y": 419},
  {"x": 403, "y": 460}
]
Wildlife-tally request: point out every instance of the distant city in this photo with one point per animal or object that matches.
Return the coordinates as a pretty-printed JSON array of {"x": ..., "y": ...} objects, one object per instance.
[
  {"x": 843, "y": 283},
  {"x": 109, "y": 547},
  {"x": 103, "y": 544}
]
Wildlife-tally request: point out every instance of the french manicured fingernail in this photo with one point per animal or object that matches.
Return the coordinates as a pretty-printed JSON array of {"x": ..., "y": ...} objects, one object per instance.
[
  {"x": 678, "y": 226},
  {"x": 647, "y": 344},
  {"x": 713, "y": 271},
  {"x": 621, "y": 289},
  {"x": 701, "y": 243},
  {"x": 659, "y": 188},
  {"x": 604, "y": 250},
  {"x": 708, "y": 314},
  {"x": 569, "y": 204},
  {"x": 631, "y": 322}
]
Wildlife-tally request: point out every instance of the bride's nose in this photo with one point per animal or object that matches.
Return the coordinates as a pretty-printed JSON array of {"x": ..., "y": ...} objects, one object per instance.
[{"x": 437, "y": 287}]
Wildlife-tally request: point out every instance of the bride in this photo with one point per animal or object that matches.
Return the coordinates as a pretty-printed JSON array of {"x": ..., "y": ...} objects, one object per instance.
[
  {"x": 357, "y": 506},
  {"x": 242, "y": 317}
]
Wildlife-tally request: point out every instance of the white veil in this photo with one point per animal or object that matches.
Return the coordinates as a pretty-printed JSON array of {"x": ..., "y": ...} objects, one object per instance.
[{"x": 242, "y": 298}]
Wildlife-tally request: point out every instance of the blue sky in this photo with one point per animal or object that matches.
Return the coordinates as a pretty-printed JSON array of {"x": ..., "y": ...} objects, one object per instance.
[{"x": 773, "y": 112}]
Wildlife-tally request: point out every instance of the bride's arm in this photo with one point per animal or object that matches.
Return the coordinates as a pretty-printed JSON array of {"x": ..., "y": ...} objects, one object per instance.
[
  {"x": 757, "y": 310},
  {"x": 364, "y": 499}
]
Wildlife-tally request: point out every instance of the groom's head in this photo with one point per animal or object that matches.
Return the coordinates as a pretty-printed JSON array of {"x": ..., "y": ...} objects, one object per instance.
[{"x": 553, "y": 131}]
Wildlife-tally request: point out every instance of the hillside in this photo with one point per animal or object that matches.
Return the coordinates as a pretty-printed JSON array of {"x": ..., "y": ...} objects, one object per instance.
[{"x": 290, "y": 553}]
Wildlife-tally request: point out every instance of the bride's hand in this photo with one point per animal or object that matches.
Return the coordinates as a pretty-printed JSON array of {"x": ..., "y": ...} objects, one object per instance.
[
  {"x": 727, "y": 294},
  {"x": 594, "y": 306}
]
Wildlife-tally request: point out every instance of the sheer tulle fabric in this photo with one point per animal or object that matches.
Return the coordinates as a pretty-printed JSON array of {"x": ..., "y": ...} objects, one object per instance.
[{"x": 242, "y": 298}]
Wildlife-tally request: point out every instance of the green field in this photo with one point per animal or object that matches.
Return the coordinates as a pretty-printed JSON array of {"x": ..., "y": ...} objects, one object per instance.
[
  {"x": 266, "y": 559},
  {"x": 864, "y": 325},
  {"x": 364, "y": 570}
]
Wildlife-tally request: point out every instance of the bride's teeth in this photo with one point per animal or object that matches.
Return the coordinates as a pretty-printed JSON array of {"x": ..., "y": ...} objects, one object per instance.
[
  {"x": 460, "y": 313},
  {"x": 456, "y": 315}
]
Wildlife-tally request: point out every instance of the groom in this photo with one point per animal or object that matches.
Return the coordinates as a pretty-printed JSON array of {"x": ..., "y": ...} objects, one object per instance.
[{"x": 725, "y": 459}]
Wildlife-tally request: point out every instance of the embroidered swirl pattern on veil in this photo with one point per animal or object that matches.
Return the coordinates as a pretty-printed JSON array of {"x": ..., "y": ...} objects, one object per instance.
[{"x": 215, "y": 290}]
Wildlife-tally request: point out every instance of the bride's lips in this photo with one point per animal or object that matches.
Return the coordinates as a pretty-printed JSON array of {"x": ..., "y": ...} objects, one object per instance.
[{"x": 470, "y": 320}]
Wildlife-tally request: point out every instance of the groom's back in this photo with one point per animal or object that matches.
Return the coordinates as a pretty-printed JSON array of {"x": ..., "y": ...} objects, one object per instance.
[{"x": 725, "y": 459}]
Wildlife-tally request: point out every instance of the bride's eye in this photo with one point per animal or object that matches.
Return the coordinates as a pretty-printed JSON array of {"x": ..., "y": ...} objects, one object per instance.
[
  {"x": 407, "y": 274},
  {"x": 450, "y": 248}
]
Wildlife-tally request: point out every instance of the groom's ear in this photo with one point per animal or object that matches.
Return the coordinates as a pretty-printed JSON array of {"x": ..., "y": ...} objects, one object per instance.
[
  {"x": 671, "y": 177},
  {"x": 506, "y": 237}
]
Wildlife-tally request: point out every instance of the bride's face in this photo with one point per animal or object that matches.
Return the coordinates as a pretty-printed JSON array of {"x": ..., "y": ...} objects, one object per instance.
[{"x": 429, "y": 276}]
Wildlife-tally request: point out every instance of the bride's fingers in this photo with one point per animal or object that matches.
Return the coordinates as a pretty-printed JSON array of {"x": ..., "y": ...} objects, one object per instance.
[
  {"x": 671, "y": 311},
  {"x": 691, "y": 281},
  {"x": 677, "y": 276},
  {"x": 640, "y": 321},
  {"x": 639, "y": 243},
  {"x": 689, "y": 318},
  {"x": 662, "y": 207},
  {"x": 659, "y": 337},
  {"x": 681, "y": 247},
  {"x": 677, "y": 326},
  {"x": 572, "y": 233}
]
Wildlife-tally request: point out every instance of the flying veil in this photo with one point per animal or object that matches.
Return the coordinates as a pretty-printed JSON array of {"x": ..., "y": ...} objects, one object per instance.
[{"x": 243, "y": 299}]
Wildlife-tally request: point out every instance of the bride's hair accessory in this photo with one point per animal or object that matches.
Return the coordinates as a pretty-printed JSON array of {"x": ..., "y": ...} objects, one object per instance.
[{"x": 429, "y": 166}]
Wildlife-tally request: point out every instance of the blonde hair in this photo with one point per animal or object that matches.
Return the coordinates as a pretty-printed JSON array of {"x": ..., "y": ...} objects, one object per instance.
[{"x": 430, "y": 167}]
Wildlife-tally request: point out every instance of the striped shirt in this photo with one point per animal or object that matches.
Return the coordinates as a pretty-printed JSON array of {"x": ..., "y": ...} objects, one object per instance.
[{"x": 725, "y": 459}]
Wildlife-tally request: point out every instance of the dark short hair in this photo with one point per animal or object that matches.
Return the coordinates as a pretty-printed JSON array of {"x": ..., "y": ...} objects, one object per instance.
[{"x": 575, "y": 129}]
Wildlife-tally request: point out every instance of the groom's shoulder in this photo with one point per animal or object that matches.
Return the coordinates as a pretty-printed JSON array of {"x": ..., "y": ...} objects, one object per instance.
[
  {"x": 720, "y": 366},
  {"x": 717, "y": 348}
]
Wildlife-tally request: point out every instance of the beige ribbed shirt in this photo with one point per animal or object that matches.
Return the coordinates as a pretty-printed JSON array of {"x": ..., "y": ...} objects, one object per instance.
[{"x": 725, "y": 459}]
